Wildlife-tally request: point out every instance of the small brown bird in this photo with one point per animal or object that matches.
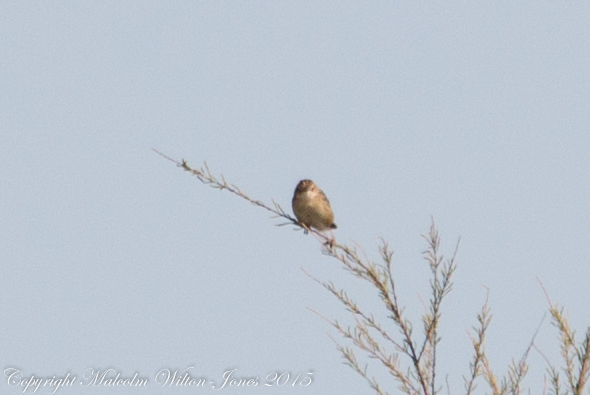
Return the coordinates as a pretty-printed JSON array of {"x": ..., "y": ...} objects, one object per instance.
[{"x": 311, "y": 207}]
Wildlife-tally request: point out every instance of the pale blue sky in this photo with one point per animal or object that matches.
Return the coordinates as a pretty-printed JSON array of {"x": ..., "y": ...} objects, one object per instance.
[{"x": 475, "y": 114}]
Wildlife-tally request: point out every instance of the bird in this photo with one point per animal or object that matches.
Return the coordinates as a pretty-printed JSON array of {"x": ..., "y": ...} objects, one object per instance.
[{"x": 312, "y": 207}]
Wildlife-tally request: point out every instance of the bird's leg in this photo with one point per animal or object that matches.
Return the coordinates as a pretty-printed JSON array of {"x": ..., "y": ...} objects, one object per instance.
[{"x": 305, "y": 228}]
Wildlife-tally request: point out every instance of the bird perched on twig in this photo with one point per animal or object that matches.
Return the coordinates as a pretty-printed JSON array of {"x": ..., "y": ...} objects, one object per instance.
[{"x": 312, "y": 207}]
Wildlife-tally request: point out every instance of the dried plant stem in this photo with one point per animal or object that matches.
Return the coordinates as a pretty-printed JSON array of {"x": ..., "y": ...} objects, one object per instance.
[{"x": 409, "y": 358}]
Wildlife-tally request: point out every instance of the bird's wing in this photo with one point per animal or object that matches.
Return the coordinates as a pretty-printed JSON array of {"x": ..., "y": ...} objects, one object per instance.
[{"x": 324, "y": 197}]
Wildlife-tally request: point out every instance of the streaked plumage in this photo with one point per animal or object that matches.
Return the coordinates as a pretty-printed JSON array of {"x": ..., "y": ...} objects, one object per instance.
[{"x": 312, "y": 207}]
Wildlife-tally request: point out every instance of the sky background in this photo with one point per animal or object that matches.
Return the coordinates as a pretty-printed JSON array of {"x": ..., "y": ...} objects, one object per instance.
[{"x": 476, "y": 115}]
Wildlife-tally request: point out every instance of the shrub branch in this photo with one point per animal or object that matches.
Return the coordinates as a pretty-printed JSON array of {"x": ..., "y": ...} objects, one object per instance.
[{"x": 411, "y": 359}]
